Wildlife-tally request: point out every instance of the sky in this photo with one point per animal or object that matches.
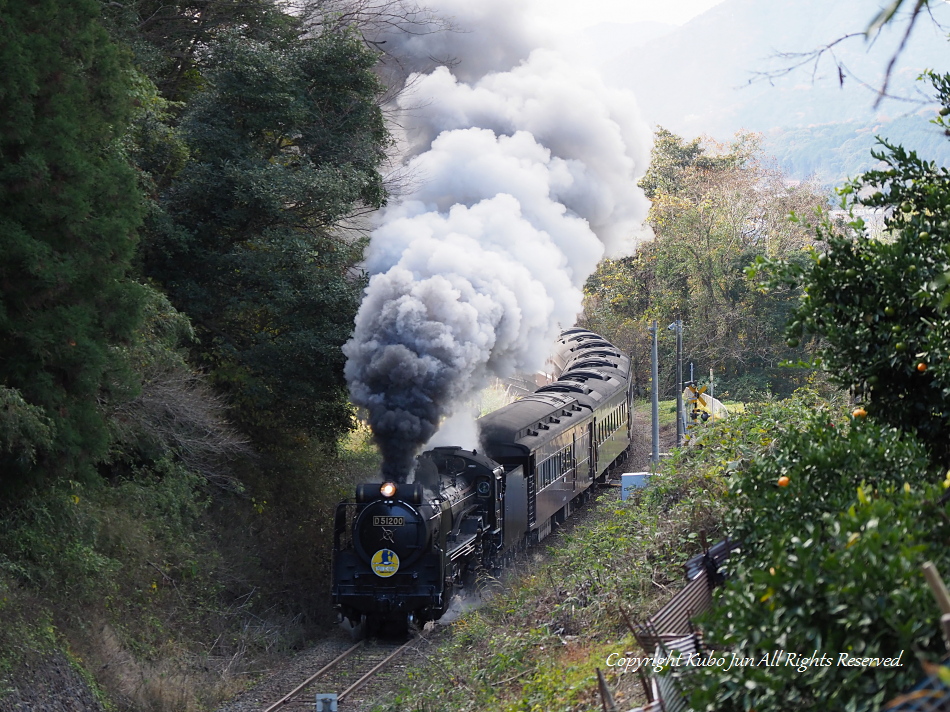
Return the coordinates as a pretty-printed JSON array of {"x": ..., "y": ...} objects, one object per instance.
[{"x": 566, "y": 13}]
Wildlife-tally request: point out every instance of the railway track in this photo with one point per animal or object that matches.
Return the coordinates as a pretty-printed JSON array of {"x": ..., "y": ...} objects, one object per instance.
[{"x": 344, "y": 677}]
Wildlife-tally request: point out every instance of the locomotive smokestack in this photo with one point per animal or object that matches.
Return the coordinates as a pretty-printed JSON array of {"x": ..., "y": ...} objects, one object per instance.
[{"x": 526, "y": 172}]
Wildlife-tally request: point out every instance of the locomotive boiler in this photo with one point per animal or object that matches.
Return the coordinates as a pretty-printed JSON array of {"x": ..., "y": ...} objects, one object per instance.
[{"x": 402, "y": 549}]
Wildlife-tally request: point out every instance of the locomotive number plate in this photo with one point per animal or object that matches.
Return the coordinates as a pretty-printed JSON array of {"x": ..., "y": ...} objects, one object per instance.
[{"x": 388, "y": 521}]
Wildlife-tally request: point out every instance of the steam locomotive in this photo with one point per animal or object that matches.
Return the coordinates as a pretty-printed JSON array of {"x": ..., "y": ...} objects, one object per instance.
[{"x": 400, "y": 550}]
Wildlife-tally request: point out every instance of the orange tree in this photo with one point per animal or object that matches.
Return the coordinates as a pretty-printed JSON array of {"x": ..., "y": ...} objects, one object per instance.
[
  {"x": 832, "y": 561},
  {"x": 829, "y": 563},
  {"x": 878, "y": 303}
]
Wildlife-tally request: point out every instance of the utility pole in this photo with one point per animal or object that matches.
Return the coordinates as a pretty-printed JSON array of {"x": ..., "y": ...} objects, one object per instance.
[
  {"x": 681, "y": 415},
  {"x": 678, "y": 327},
  {"x": 655, "y": 397}
]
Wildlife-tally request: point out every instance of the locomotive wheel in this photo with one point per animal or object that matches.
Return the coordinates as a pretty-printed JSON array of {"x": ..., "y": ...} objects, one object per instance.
[{"x": 368, "y": 627}]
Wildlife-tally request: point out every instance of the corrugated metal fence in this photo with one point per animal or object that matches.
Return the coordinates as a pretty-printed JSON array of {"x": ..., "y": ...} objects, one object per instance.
[{"x": 670, "y": 629}]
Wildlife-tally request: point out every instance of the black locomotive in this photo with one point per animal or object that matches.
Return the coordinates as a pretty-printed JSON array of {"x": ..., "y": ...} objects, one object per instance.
[{"x": 401, "y": 549}]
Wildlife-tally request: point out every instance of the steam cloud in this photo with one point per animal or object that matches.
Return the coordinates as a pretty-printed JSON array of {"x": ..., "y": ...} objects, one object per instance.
[{"x": 526, "y": 172}]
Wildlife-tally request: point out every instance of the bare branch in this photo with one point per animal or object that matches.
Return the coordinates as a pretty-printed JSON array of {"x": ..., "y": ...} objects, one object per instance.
[
  {"x": 179, "y": 413},
  {"x": 798, "y": 60},
  {"x": 890, "y": 64}
]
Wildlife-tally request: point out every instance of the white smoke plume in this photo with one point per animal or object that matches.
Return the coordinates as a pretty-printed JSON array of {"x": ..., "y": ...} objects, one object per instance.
[{"x": 526, "y": 172}]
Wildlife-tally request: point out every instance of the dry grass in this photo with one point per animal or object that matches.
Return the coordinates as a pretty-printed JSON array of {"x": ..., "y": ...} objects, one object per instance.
[{"x": 172, "y": 599}]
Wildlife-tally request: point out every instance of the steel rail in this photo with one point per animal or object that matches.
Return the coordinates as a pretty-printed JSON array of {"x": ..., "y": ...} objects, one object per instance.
[
  {"x": 359, "y": 683},
  {"x": 286, "y": 698}
]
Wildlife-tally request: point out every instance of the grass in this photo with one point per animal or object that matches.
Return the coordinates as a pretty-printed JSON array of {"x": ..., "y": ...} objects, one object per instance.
[{"x": 538, "y": 643}]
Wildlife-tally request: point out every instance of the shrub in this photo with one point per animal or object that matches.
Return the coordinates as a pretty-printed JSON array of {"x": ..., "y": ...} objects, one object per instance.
[
  {"x": 877, "y": 305},
  {"x": 825, "y": 565}
]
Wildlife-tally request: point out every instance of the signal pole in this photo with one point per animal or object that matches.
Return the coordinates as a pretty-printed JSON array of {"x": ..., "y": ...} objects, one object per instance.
[
  {"x": 678, "y": 327},
  {"x": 655, "y": 397}
]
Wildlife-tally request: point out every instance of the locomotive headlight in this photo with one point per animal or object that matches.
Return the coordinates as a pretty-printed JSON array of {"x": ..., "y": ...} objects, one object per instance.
[{"x": 388, "y": 489}]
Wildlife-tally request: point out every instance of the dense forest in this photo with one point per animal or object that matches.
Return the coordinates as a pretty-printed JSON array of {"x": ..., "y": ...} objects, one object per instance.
[
  {"x": 189, "y": 167},
  {"x": 176, "y": 289}
]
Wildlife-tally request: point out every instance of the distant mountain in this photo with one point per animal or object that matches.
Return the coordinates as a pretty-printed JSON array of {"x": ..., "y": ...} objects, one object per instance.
[
  {"x": 836, "y": 151},
  {"x": 712, "y": 76}
]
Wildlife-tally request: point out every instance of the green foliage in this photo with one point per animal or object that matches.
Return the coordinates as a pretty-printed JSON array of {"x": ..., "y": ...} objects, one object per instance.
[
  {"x": 174, "y": 414},
  {"x": 250, "y": 141},
  {"x": 284, "y": 142},
  {"x": 120, "y": 574},
  {"x": 715, "y": 209},
  {"x": 825, "y": 467},
  {"x": 69, "y": 210},
  {"x": 829, "y": 563},
  {"x": 877, "y": 305},
  {"x": 149, "y": 578},
  {"x": 171, "y": 40},
  {"x": 154, "y": 142},
  {"x": 673, "y": 161},
  {"x": 73, "y": 539},
  {"x": 719, "y": 447},
  {"x": 24, "y": 428}
]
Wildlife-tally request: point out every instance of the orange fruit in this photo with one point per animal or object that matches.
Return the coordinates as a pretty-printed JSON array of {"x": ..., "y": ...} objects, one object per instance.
[
  {"x": 859, "y": 412},
  {"x": 921, "y": 367},
  {"x": 783, "y": 481}
]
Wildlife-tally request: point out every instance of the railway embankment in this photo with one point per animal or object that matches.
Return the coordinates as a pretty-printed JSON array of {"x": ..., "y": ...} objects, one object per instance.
[
  {"x": 538, "y": 642},
  {"x": 835, "y": 513},
  {"x": 52, "y": 683},
  {"x": 166, "y": 593}
]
